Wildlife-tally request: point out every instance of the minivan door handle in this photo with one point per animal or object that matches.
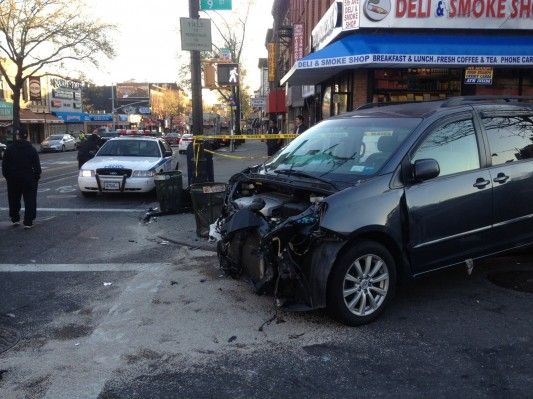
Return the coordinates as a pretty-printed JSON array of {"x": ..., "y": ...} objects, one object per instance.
[
  {"x": 481, "y": 183},
  {"x": 501, "y": 178}
]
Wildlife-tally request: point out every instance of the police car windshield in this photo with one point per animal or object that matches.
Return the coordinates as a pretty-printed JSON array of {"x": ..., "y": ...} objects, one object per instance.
[{"x": 130, "y": 148}]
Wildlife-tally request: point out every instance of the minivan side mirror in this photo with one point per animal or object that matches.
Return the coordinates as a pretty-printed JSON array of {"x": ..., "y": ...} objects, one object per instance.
[{"x": 425, "y": 169}]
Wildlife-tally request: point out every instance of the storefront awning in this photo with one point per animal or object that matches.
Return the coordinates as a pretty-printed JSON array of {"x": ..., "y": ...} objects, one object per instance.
[{"x": 401, "y": 50}]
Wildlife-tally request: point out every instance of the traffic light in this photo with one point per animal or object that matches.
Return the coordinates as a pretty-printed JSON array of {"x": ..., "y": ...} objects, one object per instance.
[{"x": 209, "y": 75}]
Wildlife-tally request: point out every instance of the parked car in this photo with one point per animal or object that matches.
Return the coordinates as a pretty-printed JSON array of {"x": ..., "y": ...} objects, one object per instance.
[
  {"x": 2, "y": 150},
  {"x": 185, "y": 140},
  {"x": 358, "y": 201},
  {"x": 172, "y": 138},
  {"x": 126, "y": 164},
  {"x": 58, "y": 142}
]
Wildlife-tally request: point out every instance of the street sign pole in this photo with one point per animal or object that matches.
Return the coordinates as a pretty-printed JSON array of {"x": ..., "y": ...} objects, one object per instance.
[{"x": 196, "y": 79}]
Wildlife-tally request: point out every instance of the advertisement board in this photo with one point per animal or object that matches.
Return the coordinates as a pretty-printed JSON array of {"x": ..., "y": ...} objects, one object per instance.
[
  {"x": 298, "y": 41},
  {"x": 478, "y": 75},
  {"x": 438, "y": 14},
  {"x": 65, "y": 96},
  {"x": 271, "y": 62},
  {"x": 133, "y": 90},
  {"x": 329, "y": 27},
  {"x": 35, "y": 88}
]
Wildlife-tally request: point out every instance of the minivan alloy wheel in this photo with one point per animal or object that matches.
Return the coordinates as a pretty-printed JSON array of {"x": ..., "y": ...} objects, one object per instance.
[
  {"x": 362, "y": 283},
  {"x": 366, "y": 284}
]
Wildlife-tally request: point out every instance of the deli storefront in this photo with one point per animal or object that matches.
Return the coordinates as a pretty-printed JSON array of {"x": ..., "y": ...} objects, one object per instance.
[{"x": 385, "y": 53}]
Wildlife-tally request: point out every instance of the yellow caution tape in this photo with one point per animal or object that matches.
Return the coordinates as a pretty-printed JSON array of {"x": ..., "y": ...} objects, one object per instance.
[
  {"x": 247, "y": 137},
  {"x": 234, "y": 156}
]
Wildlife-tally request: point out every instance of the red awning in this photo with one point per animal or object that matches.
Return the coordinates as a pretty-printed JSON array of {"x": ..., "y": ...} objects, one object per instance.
[{"x": 276, "y": 102}]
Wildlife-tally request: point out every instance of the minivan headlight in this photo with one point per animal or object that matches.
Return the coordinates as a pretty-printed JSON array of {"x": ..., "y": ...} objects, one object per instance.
[
  {"x": 143, "y": 173},
  {"x": 86, "y": 173}
]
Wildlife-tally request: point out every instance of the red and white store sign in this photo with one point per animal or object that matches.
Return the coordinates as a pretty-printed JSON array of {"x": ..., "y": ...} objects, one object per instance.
[
  {"x": 298, "y": 41},
  {"x": 442, "y": 14}
]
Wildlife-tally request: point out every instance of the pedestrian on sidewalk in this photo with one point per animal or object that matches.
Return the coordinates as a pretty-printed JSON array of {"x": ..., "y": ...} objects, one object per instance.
[
  {"x": 22, "y": 169},
  {"x": 88, "y": 149},
  {"x": 275, "y": 144},
  {"x": 299, "y": 126}
]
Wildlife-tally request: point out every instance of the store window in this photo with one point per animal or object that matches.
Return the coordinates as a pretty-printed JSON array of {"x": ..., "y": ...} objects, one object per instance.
[
  {"x": 326, "y": 103},
  {"x": 505, "y": 82},
  {"x": 337, "y": 97},
  {"x": 510, "y": 138},
  {"x": 416, "y": 84}
]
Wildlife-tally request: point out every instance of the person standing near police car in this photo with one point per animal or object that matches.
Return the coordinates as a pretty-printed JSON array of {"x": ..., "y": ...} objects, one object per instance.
[
  {"x": 273, "y": 145},
  {"x": 22, "y": 169},
  {"x": 88, "y": 149}
]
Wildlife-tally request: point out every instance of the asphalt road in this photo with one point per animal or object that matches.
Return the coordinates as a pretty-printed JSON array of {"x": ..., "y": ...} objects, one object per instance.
[{"x": 100, "y": 307}]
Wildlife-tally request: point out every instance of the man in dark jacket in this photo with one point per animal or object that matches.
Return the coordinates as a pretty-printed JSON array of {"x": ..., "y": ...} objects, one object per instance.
[
  {"x": 22, "y": 169},
  {"x": 299, "y": 126},
  {"x": 273, "y": 145},
  {"x": 88, "y": 148}
]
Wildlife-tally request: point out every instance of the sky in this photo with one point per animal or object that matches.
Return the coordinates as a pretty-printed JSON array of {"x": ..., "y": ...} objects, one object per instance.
[{"x": 147, "y": 39}]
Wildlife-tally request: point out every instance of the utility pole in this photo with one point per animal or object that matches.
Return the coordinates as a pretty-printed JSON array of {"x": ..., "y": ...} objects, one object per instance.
[
  {"x": 113, "y": 105},
  {"x": 196, "y": 78}
]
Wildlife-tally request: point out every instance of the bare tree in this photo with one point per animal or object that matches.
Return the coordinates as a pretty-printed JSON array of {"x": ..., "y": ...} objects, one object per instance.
[{"x": 38, "y": 35}]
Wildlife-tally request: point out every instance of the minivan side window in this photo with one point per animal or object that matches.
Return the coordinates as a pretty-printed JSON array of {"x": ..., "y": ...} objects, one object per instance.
[
  {"x": 510, "y": 138},
  {"x": 453, "y": 146}
]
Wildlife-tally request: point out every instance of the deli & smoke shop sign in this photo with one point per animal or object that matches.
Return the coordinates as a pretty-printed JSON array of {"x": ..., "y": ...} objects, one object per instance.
[{"x": 439, "y": 14}]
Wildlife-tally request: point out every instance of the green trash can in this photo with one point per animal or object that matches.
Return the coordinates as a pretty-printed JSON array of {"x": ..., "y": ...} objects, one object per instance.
[
  {"x": 207, "y": 202},
  {"x": 169, "y": 189}
]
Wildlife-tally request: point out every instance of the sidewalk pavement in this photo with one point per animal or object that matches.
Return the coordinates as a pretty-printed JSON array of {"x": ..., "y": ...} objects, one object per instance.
[{"x": 181, "y": 228}]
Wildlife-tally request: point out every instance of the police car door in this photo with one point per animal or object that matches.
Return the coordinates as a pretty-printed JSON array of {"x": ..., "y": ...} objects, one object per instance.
[{"x": 170, "y": 160}]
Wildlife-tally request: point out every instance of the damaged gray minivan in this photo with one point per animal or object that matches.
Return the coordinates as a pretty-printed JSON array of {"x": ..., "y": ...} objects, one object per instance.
[{"x": 358, "y": 201}]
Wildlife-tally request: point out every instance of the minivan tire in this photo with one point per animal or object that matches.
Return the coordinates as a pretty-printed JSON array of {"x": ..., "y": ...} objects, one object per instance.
[{"x": 345, "y": 289}]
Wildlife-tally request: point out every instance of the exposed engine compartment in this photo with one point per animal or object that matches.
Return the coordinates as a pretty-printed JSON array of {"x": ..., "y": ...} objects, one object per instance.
[{"x": 268, "y": 232}]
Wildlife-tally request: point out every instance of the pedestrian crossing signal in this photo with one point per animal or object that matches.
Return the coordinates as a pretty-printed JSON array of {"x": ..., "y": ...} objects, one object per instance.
[{"x": 228, "y": 74}]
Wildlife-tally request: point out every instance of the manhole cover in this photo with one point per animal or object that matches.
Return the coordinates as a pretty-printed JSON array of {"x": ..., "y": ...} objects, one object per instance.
[
  {"x": 8, "y": 338},
  {"x": 519, "y": 280}
]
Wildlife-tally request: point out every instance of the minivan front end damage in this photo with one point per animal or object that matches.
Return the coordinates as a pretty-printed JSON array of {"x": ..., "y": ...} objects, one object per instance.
[{"x": 271, "y": 235}]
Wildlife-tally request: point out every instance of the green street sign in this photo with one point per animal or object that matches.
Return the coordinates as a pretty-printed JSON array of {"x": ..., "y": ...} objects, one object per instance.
[{"x": 206, "y": 5}]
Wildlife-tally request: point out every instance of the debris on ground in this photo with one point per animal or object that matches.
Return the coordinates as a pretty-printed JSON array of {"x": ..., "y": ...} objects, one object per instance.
[
  {"x": 232, "y": 338},
  {"x": 268, "y": 322},
  {"x": 295, "y": 336},
  {"x": 107, "y": 284},
  {"x": 172, "y": 282}
]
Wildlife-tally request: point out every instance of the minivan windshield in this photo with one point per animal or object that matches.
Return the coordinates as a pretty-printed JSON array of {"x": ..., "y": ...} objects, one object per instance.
[{"x": 340, "y": 149}]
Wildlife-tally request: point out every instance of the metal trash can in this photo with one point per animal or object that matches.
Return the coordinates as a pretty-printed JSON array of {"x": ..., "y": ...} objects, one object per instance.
[
  {"x": 207, "y": 201},
  {"x": 199, "y": 164},
  {"x": 169, "y": 189}
]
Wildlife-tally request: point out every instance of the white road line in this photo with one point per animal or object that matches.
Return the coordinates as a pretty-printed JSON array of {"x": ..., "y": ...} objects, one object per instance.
[
  {"x": 106, "y": 210},
  {"x": 81, "y": 267}
]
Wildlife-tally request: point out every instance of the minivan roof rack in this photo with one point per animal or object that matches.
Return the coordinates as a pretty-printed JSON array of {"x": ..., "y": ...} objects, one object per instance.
[
  {"x": 455, "y": 101},
  {"x": 377, "y": 105}
]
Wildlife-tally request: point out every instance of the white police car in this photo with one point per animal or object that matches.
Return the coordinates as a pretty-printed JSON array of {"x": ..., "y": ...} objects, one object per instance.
[{"x": 126, "y": 164}]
